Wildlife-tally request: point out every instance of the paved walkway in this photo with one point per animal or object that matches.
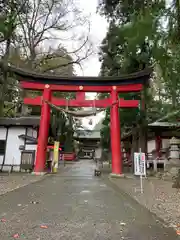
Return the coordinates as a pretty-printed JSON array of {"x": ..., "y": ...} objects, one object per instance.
[{"x": 76, "y": 205}]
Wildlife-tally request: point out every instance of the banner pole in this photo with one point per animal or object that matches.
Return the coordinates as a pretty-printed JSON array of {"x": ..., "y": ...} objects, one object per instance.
[
  {"x": 55, "y": 157},
  {"x": 141, "y": 178}
]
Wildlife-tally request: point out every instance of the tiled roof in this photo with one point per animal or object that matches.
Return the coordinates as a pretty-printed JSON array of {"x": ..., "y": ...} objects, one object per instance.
[{"x": 21, "y": 121}]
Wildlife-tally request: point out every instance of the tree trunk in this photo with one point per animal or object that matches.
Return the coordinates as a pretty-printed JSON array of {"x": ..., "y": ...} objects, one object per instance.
[
  {"x": 4, "y": 76},
  {"x": 24, "y": 108},
  {"x": 134, "y": 146},
  {"x": 143, "y": 131},
  {"x": 177, "y": 4}
]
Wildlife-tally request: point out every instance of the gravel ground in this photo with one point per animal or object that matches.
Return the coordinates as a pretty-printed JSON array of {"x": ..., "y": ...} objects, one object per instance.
[
  {"x": 158, "y": 196},
  {"x": 12, "y": 181},
  {"x": 9, "y": 182}
]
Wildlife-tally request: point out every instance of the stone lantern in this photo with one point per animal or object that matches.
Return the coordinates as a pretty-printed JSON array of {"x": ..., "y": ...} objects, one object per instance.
[
  {"x": 174, "y": 151},
  {"x": 173, "y": 164}
]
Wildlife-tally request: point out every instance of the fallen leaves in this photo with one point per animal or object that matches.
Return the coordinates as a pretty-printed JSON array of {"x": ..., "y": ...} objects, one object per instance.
[
  {"x": 43, "y": 226},
  {"x": 3, "y": 220},
  {"x": 16, "y": 235},
  {"x": 178, "y": 229}
]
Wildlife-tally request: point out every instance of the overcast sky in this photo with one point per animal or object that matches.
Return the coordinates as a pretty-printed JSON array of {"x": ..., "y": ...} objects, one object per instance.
[
  {"x": 91, "y": 66},
  {"x": 98, "y": 29}
]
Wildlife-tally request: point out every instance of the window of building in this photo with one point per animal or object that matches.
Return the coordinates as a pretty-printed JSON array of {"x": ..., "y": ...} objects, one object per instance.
[{"x": 2, "y": 147}]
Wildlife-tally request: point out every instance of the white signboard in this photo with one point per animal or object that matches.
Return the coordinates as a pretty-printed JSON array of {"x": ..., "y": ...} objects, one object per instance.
[{"x": 139, "y": 164}]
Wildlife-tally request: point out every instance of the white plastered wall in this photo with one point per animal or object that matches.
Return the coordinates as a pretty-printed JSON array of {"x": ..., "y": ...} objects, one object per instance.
[
  {"x": 31, "y": 133},
  {"x": 13, "y": 153}
]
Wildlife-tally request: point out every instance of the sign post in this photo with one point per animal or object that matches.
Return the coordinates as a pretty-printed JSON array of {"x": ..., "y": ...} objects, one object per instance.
[
  {"x": 141, "y": 171},
  {"x": 140, "y": 167}
]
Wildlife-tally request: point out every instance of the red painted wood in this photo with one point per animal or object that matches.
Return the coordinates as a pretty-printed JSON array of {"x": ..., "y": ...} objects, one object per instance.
[
  {"x": 52, "y": 147},
  {"x": 130, "y": 88},
  {"x": 32, "y": 86},
  {"x": 128, "y": 103},
  {"x": 85, "y": 103},
  {"x": 43, "y": 133},
  {"x": 80, "y": 96},
  {"x": 37, "y": 101},
  {"x": 81, "y": 102},
  {"x": 115, "y": 136},
  {"x": 69, "y": 156},
  {"x": 66, "y": 88}
]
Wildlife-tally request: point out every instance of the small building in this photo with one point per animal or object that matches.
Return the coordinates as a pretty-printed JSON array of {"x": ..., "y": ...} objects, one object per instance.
[
  {"x": 18, "y": 142},
  {"x": 89, "y": 142},
  {"x": 158, "y": 140}
]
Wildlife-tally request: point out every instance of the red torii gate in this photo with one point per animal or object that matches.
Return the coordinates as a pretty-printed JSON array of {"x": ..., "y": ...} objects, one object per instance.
[{"x": 114, "y": 85}]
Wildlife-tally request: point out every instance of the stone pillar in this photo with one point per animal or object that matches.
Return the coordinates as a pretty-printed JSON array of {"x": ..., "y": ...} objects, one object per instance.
[
  {"x": 173, "y": 163},
  {"x": 174, "y": 151}
]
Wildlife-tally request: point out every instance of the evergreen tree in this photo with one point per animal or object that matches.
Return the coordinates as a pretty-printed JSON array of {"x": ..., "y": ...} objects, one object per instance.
[{"x": 129, "y": 46}]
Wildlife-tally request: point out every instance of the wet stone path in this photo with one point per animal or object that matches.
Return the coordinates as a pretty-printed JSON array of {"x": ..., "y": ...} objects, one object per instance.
[{"x": 75, "y": 205}]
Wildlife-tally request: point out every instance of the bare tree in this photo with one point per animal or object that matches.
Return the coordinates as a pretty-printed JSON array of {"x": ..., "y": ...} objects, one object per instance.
[{"x": 45, "y": 25}]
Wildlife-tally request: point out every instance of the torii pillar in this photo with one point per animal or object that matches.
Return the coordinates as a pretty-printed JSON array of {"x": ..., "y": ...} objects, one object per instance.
[
  {"x": 115, "y": 135},
  {"x": 43, "y": 132},
  {"x": 80, "y": 96}
]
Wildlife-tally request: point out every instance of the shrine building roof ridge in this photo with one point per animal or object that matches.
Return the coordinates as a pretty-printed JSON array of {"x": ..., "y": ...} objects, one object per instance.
[{"x": 140, "y": 77}]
